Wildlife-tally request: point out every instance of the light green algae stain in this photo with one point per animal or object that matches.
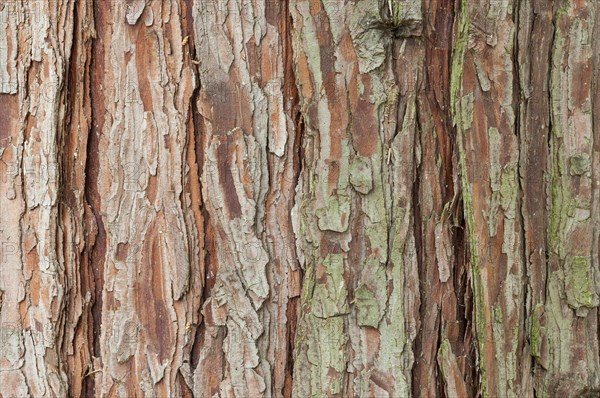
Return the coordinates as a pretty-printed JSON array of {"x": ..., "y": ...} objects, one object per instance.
[
  {"x": 537, "y": 331},
  {"x": 397, "y": 355},
  {"x": 507, "y": 372},
  {"x": 330, "y": 298},
  {"x": 445, "y": 357},
  {"x": 509, "y": 189},
  {"x": 367, "y": 307},
  {"x": 466, "y": 107},
  {"x": 377, "y": 235},
  {"x": 495, "y": 177},
  {"x": 326, "y": 354},
  {"x": 369, "y": 43},
  {"x": 560, "y": 209},
  {"x": 406, "y": 17},
  {"x": 335, "y": 216},
  {"x": 458, "y": 53},
  {"x": 444, "y": 348},
  {"x": 559, "y": 328},
  {"x": 494, "y": 156},
  {"x": 374, "y": 207},
  {"x": 404, "y": 11},
  {"x": 361, "y": 175},
  {"x": 321, "y": 332}
]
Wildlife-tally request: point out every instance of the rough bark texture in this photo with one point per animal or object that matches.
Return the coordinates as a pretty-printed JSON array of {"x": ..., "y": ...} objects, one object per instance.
[{"x": 307, "y": 198}]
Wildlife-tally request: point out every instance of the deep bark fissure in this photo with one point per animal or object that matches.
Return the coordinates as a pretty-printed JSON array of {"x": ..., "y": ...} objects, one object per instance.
[
  {"x": 95, "y": 230},
  {"x": 518, "y": 101},
  {"x": 417, "y": 230},
  {"x": 196, "y": 122},
  {"x": 291, "y": 92},
  {"x": 596, "y": 129},
  {"x": 546, "y": 178}
]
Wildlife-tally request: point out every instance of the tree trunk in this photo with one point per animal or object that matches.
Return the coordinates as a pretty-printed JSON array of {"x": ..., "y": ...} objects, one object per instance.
[{"x": 298, "y": 198}]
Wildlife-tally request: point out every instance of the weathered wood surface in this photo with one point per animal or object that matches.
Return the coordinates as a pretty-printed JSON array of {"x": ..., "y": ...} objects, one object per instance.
[{"x": 274, "y": 198}]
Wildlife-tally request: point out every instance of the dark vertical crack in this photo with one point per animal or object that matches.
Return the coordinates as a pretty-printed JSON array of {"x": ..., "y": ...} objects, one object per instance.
[
  {"x": 61, "y": 234},
  {"x": 595, "y": 102},
  {"x": 196, "y": 127},
  {"x": 435, "y": 101},
  {"x": 417, "y": 231},
  {"x": 196, "y": 346},
  {"x": 292, "y": 100},
  {"x": 68, "y": 184},
  {"x": 94, "y": 227}
]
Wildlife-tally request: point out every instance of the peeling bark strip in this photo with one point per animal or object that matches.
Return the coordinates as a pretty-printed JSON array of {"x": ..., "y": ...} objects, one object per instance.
[{"x": 299, "y": 198}]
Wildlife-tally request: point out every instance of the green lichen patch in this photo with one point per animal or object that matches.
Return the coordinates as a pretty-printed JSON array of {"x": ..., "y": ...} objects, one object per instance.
[
  {"x": 579, "y": 164},
  {"x": 406, "y": 18},
  {"x": 404, "y": 11},
  {"x": 458, "y": 54},
  {"x": 579, "y": 284}
]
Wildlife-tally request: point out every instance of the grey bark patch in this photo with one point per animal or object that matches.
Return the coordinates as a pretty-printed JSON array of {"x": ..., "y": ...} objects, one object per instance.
[{"x": 134, "y": 10}]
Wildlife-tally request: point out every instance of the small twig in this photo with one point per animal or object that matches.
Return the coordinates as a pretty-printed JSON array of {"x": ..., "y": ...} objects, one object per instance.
[{"x": 92, "y": 372}]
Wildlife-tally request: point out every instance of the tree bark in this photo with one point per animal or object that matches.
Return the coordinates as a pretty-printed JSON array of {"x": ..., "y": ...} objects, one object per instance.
[{"x": 299, "y": 198}]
